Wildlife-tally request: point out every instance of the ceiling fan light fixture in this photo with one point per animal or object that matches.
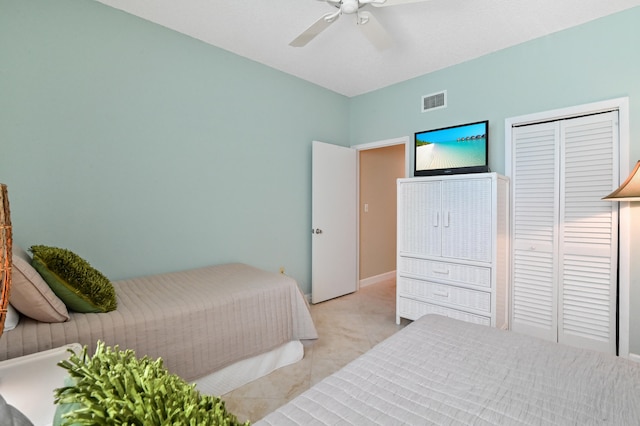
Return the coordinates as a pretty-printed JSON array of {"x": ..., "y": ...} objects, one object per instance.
[
  {"x": 367, "y": 23},
  {"x": 350, "y": 6}
]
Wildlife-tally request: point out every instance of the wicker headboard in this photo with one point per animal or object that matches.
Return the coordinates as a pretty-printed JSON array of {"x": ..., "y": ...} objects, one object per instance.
[{"x": 5, "y": 254}]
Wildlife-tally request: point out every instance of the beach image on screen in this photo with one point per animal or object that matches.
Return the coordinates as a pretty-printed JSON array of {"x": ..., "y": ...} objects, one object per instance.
[{"x": 463, "y": 146}]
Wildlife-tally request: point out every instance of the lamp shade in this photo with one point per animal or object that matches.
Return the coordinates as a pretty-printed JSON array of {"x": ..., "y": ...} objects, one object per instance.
[{"x": 629, "y": 190}]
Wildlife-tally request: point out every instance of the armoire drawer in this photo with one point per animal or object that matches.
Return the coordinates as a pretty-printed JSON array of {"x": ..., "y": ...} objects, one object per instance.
[
  {"x": 455, "y": 272},
  {"x": 443, "y": 293},
  {"x": 414, "y": 309}
]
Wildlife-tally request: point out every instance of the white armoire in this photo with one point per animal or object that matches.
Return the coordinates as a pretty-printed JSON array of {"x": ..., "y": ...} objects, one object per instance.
[
  {"x": 453, "y": 247},
  {"x": 564, "y": 246}
]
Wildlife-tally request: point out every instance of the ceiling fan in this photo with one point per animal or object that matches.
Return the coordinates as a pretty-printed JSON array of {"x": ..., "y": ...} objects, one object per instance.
[{"x": 370, "y": 26}]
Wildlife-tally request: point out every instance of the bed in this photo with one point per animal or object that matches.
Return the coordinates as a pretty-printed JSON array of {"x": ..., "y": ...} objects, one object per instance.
[
  {"x": 202, "y": 322},
  {"x": 443, "y": 371}
]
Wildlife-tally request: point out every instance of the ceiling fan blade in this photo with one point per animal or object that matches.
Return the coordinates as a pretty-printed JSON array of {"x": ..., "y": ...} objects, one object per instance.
[
  {"x": 315, "y": 29},
  {"x": 375, "y": 32},
  {"x": 378, "y": 3}
]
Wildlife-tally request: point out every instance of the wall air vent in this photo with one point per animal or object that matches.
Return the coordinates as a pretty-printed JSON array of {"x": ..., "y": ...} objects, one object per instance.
[{"x": 434, "y": 101}]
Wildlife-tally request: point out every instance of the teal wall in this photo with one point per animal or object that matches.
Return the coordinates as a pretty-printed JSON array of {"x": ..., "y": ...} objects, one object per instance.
[
  {"x": 593, "y": 62},
  {"x": 146, "y": 151},
  {"x": 596, "y": 61}
]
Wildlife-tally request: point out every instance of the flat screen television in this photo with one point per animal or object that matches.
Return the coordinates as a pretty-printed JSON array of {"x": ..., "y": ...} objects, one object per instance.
[{"x": 452, "y": 150}]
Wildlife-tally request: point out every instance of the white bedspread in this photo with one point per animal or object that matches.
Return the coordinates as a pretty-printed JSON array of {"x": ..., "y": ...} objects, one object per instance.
[{"x": 442, "y": 371}]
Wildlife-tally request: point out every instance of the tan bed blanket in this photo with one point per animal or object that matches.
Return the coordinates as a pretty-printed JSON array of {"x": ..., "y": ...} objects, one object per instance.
[{"x": 198, "y": 320}]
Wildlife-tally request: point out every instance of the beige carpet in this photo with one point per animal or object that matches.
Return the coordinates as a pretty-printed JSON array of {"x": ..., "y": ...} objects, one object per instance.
[{"x": 347, "y": 327}]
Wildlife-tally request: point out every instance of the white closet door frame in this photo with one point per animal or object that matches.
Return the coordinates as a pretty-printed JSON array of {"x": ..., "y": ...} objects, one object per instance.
[{"x": 622, "y": 105}]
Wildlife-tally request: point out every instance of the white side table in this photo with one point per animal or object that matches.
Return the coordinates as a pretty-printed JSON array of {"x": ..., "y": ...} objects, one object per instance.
[{"x": 28, "y": 382}]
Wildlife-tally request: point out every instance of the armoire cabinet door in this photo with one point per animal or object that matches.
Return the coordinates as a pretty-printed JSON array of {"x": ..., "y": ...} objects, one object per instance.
[
  {"x": 466, "y": 219},
  {"x": 421, "y": 219}
]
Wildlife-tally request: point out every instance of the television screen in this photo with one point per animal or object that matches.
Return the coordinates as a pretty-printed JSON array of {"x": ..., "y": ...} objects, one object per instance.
[{"x": 452, "y": 150}]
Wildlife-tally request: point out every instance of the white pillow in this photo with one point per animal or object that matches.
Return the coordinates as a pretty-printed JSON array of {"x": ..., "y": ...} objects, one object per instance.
[
  {"x": 30, "y": 294},
  {"x": 12, "y": 318}
]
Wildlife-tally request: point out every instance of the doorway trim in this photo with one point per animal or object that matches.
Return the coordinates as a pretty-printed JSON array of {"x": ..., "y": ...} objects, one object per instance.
[
  {"x": 384, "y": 143},
  {"x": 624, "y": 212},
  {"x": 404, "y": 140}
]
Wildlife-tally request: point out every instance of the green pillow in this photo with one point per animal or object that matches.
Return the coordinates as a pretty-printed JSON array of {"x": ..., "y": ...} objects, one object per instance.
[
  {"x": 62, "y": 410},
  {"x": 81, "y": 287},
  {"x": 114, "y": 387}
]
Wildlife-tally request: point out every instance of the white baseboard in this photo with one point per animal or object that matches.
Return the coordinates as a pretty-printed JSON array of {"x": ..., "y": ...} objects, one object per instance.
[
  {"x": 378, "y": 278},
  {"x": 367, "y": 281},
  {"x": 634, "y": 357}
]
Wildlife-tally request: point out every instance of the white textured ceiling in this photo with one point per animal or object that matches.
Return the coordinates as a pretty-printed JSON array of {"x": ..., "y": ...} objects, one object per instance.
[{"x": 427, "y": 36}]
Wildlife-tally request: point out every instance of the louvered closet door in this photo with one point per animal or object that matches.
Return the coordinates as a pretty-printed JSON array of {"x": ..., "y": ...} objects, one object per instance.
[
  {"x": 588, "y": 230},
  {"x": 466, "y": 219},
  {"x": 535, "y": 241},
  {"x": 564, "y": 235},
  {"x": 420, "y": 220}
]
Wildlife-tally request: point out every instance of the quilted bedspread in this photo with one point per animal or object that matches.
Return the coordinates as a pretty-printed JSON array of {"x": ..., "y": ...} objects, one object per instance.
[
  {"x": 442, "y": 371},
  {"x": 198, "y": 320}
]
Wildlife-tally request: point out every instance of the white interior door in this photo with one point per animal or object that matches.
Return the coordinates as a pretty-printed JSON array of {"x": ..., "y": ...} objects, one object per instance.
[{"x": 334, "y": 219}]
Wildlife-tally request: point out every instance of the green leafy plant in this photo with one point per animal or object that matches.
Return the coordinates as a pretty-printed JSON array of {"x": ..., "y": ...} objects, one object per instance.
[
  {"x": 79, "y": 285},
  {"x": 113, "y": 387}
]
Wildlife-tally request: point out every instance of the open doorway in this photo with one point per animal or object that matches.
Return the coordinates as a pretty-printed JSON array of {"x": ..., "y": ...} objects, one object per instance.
[{"x": 379, "y": 166}]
